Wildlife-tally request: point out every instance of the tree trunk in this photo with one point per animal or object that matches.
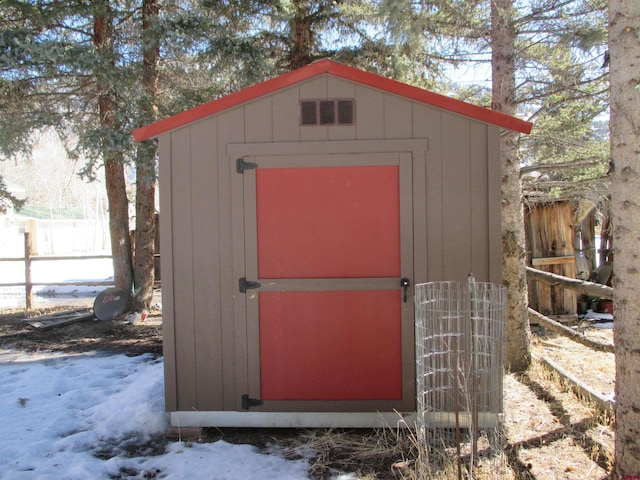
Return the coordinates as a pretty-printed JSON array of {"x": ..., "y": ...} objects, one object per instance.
[
  {"x": 624, "y": 49},
  {"x": 514, "y": 277},
  {"x": 301, "y": 35},
  {"x": 103, "y": 40},
  {"x": 143, "y": 268}
]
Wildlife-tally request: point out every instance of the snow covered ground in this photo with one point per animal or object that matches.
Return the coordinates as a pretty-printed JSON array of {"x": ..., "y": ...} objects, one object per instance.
[{"x": 102, "y": 416}]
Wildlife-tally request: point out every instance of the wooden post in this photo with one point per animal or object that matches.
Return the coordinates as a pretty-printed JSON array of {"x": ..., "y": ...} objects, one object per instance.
[
  {"x": 605, "y": 238},
  {"x": 28, "y": 286},
  {"x": 588, "y": 236}
]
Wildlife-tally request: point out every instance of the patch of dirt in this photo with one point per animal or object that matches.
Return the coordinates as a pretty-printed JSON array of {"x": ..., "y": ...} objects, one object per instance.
[{"x": 88, "y": 335}]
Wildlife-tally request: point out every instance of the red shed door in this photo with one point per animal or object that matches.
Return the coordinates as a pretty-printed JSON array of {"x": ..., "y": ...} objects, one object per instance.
[{"x": 329, "y": 241}]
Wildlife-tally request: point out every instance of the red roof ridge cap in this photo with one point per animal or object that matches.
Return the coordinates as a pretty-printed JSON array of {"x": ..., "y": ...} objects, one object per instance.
[{"x": 340, "y": 70}]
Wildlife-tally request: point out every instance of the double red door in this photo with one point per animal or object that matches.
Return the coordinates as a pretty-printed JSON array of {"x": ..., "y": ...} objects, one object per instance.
[{"x": 328, "y": 255}]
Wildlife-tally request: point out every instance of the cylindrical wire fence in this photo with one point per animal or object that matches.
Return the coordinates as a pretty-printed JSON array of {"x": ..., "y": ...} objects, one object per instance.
[{"x": 459, "y": 355}]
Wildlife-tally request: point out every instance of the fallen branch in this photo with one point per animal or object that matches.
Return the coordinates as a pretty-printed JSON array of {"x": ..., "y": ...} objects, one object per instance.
[
  {"x": 572, "y": 334},
  {"x": 580, "y": 286}
]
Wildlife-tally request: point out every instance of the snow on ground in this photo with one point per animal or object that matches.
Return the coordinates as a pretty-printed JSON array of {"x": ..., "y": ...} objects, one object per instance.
[{"x": 102, "y": 416}]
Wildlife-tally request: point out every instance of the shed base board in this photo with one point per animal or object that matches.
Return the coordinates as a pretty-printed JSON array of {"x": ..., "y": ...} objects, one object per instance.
[{"x": 292, "y": 419}]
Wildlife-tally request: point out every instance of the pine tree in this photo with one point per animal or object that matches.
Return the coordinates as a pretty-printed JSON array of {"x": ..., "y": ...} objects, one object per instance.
[
  {"x": 113, "y": 158},
  {"x": 145, "y": 232},
  {"x": 75, "y": 67},
  {"x": 530, "y": 42},
  {"x": 63, "y": 69},
  {"x": 624, "y": 48},
  {"x": 7, "y": 199},
  {"x": 514, "y": 276}
]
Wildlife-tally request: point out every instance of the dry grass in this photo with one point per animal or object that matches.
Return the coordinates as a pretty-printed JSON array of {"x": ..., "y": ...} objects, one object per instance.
[
  {"x": 367, "y": 453},
  {"x": 385, "y": 454},
  {"x": 597, "y": 368},
  {"x": 549, "y": 434}
]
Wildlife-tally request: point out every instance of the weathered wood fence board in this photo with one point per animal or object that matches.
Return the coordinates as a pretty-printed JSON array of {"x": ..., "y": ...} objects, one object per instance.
[
  {"x": 60, "y": 319},
  {"x": 550, "y": 241}
]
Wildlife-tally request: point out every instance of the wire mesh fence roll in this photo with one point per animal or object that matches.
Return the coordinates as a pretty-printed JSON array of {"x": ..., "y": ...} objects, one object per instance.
[{"x": 460, "y": 361}]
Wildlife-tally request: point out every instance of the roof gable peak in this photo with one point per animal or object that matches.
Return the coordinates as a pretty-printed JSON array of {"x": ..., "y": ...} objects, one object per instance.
[{"x": 339, "y": 70}]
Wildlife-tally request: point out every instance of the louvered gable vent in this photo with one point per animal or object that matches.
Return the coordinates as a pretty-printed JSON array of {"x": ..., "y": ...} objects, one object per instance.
[
  {"x": 327, "y": 112},
  {"x": 345, "y": 112},
  {"x": 309, "y": 112}
]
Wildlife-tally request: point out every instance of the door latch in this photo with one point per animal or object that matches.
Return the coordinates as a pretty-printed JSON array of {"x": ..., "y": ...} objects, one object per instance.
[{"x": 404, "y": 283}]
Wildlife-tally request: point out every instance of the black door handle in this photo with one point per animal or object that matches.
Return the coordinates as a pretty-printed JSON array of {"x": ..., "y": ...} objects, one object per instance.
[{"x": 404, "y": 283}]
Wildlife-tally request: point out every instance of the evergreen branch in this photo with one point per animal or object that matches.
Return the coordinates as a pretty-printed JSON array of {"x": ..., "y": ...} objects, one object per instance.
[
  {"x": 541, "y": 14},
  {"x": 548, "y": 106},
  {"x": 558, "y": 166}
]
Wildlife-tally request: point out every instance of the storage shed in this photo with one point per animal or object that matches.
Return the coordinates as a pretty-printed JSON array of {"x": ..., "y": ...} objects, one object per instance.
[{"x": 296, "y": 216}]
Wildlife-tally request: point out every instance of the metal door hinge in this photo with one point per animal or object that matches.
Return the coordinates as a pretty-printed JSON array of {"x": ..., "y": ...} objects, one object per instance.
[
  {"x": 247, "y": 402},
  {"x": 244, "y": 285},
  {"x": 241, "y": 165}
]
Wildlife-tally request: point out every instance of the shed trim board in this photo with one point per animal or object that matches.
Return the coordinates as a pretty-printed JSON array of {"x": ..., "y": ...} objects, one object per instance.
[
  {"x": 340, "y": 71},
  {"x": 413, "y": 145},
  {"x": 292, "y": 419},
  {"x": 329, "y": 419}
]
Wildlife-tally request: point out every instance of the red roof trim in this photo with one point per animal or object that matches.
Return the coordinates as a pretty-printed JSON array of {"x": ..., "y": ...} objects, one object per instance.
[{"x": 341, "y": 71}]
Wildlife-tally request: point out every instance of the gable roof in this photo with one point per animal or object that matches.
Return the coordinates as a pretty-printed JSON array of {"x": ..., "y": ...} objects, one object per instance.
[{"x": 341, "y": 71}]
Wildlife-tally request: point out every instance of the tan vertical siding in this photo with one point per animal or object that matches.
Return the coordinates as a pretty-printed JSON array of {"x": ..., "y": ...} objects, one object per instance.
[
  {"x": 285, "y": 114},
  {"x": 369, "y": 114},
  {"x": 169, "y": 334},
  {"x": 234, "y": 328},
  {"x": 398, "y": 117},
  {"x": 494, "y": 187},
  {"x": 420, "y": 271},
  {"x": 456, "y": 198},
  {"x": 427, "y": 123},
  {"x": 206, "y": 265},
  {"x": 182, "y": 224},
  {"x": 479, "y": 202},
  {"x": 258, "y": 121}
]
